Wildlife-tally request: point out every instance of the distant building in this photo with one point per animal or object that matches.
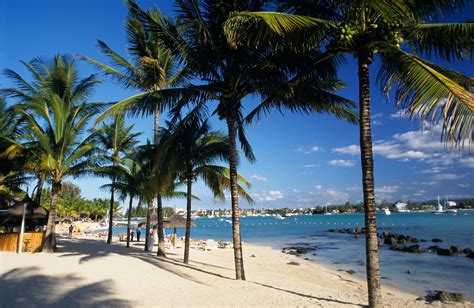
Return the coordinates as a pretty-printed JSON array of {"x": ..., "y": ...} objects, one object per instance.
[
  {"x": 450, "y": 203},
  {"x": 401, "y": 207}
]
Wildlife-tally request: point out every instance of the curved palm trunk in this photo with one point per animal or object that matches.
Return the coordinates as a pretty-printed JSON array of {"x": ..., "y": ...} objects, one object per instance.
[
  {"x": 371, "y": 246},
  {"x": 49, "y": 241},
  {"x": 161, "y": 235},
  {"x": 111, "y": 213},
  {"x": 187, "y": 239},
  {"x": 238, "y": 254},
  {"x": 147, "y": 228},
  {"x": 39, "y": 188},
  {"x": 129, "y": 219}
]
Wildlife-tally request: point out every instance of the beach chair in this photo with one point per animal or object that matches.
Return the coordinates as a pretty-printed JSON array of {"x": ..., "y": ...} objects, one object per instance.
[
  {"x": 211, "y": 245},
  {"x": 123, "y": 237}
]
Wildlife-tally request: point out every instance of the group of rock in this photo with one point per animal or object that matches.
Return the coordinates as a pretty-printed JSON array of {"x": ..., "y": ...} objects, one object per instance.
[{"x": 406, "y": 243}]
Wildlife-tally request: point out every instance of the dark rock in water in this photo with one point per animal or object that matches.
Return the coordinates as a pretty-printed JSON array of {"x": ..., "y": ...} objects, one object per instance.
[
  {"x": 409, "y": 272},
  {"x": 385, "y": 234},
  {"x": 437, "y": 240},
  {"x": 307, "y": 259},
  {"x": 470, "y": 255},
  {"x": 412, "y": 248},
  {"x": 446, "y": 297},
  {"x": 455, "y": 249},
  {"x": 253, "y": 256},
  {"x": 297, "y": 250},
  {"x": 423, "y": 240},
  {"x": 444, "y": 252},
  {"x": 402, "y": 241},
  {"x": 390, "y": 241},
  {"x": 433, "y": 248},
  {"x": 293, "y": 263},
  {"x": 354, "y": 231},
  {"x": 351, "y": 272},
  {"x": 467, "y": 250}
]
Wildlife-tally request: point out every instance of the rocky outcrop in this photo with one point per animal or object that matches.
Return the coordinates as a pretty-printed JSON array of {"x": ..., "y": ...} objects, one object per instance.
[
  {"x": 297, "y": 250},
  {"x": 437, "y": 240},
  {"x": 447, "y": 297}
]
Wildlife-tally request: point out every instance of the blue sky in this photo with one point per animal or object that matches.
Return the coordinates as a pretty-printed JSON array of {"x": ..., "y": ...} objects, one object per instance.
[{"x": 302, "y": 160}]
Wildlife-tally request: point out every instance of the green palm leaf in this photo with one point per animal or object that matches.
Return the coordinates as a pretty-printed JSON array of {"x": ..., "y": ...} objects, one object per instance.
[{"x": 426, "y": 90}]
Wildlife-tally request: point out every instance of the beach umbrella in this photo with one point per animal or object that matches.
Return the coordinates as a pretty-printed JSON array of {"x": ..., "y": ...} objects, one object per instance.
[{"x": 176, "y": 221}]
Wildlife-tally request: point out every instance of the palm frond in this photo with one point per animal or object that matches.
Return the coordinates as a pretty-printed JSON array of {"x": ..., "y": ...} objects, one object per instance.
[
  {"x": 453, "y": 41},
  {"x": 425, "y": 90}
]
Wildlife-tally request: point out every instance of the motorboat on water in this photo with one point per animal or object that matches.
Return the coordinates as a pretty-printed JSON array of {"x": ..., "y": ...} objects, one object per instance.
[{"x": 386, "y": 211}]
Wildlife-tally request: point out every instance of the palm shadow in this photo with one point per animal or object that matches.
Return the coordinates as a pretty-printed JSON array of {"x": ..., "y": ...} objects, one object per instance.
[
  {"x": 22, "y": 287},
  {"x": 96, "y": 249}
]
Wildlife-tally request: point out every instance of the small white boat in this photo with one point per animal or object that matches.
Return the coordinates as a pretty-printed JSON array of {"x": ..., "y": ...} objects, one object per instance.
[
  {"x": 386, "y": 211},
  {"x": 278, "y": 216}
]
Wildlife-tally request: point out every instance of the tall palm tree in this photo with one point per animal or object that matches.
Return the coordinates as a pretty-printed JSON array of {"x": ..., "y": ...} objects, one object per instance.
[
  {"x": 127, "y": 182},
  {"x": 58, "y": 127},
  {"x": 365, "y": 29},
  {"x": 191, "y": 149},
  {"x": 58, "y": 75},
  {"x": 118, "y": 141},
  {"x": 228, "y": 75},
  {"x": 150, "y": 71}
]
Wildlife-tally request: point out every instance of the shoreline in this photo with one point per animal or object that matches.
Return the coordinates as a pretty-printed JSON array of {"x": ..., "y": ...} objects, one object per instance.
[{"x": 131, "y": 277}]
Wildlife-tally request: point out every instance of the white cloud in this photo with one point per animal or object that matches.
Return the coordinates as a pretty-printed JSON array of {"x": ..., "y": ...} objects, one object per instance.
[
  {"x": 341, "y": 163},
  {"x": 386, "y": 189},
  {"x": 376, "y": 123},
  {"x": 399, "y": 115},
  {"x": 296, "y": 190},
  {"x": 447, "y": 177},
  {"x": 259, "y": 178},
  {"x": 467, "y": 161},
  {"x": 272, "y": 195},
  {"x": 318, "y": 187},
  {"x": 353, "y": 188},
  {"x": 463, "y": 185},
  {"x": 377, "y": 115},
  {"x": 311, "y": 166},
  {"x": 434, "y": 170},
  {"x": 310, "y": 149},
  {"x": 351, "y": 150}
]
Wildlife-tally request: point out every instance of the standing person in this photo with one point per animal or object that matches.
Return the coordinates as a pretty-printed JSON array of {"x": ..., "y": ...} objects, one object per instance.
[
  {"x": 71, "y": 228},
  {"x": 139, "y": 232},
  {"x": 132, "y": 234}
]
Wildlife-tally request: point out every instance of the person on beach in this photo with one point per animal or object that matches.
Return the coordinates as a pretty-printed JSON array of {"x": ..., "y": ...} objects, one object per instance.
[
  {"x": 71, "y": 228},
  {"x": 139, "y": 232},
  {"x": 132, "y": 234}
]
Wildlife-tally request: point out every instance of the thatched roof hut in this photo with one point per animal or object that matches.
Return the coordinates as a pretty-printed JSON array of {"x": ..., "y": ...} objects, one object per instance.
[{"x": 35, "y": 215}]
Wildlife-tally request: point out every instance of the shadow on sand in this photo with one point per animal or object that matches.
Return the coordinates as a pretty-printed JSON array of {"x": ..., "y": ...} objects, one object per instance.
[
  {"x": 24, "y": 287},
  {"x": 98, "y": 249}
]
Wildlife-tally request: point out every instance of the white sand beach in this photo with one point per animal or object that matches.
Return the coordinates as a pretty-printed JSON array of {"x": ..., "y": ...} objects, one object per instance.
[{"x": 89, "y": 272}]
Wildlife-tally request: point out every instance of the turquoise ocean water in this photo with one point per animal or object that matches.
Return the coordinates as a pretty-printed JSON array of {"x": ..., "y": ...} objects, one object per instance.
[{"x": 428, "y": 270}]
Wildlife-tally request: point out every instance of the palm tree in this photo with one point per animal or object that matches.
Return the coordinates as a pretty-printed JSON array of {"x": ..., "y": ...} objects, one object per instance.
[
  {"x": 190, "y": 149},
  {"x": 118, "y": 141},
  {"x": 58, "y": 76},
  {"x": 57, "y": 123},
  {"x": 151, "y": 71},
  {"x": 63, "y": 151},
  {"x": 364, "y": 29},
  {"x": 228, "y": 75},
  {"x": 127, "y": 182}
]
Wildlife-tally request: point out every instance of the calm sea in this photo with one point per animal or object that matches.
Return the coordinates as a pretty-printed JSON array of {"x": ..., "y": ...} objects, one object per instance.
[{"x": 428, "y": 270}]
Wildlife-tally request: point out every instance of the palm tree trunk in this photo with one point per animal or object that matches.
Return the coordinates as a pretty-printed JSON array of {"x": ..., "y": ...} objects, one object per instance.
[
  {"x": 129, "y": 219},
  {"x": 187, "y": 239},
  {"x": 49, "y": 242},
  {"x": 111, "y": 213},
  {"x": 39, "y": 188},
  {"x": 159, "y": 210},
  {"x": 367, "y": 161},
  {"x": 147, "y": 228},
  {"x": 161, "y": 235},
  {"x": 238, "y": 254}
]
